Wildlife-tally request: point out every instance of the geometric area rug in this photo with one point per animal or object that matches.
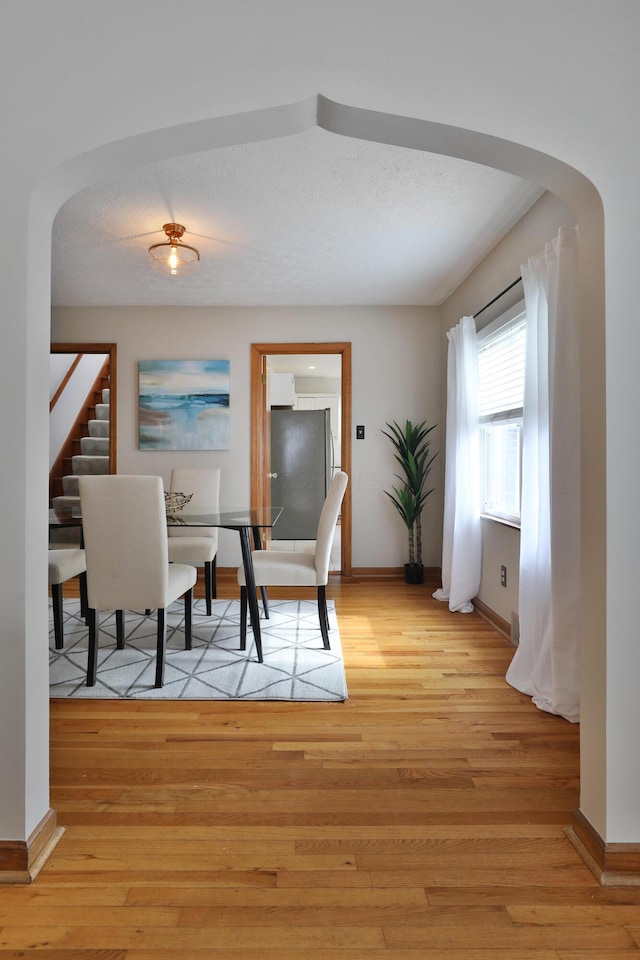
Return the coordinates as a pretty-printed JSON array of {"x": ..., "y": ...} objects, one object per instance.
[{"x": 296, "y": 666}]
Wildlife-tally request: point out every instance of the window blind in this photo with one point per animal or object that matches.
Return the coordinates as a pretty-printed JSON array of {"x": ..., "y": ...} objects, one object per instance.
[{"x": 501, "y": 361}]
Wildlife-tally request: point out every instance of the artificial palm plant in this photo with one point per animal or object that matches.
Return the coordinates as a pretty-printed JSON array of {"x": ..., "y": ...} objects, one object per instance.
[{"x": 413, "y": 452}]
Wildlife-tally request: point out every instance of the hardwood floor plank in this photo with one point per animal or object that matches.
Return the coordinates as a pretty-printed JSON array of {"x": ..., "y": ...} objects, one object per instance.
[
  {"x": 619, "y": 954},
  {"x": 593, "y": 937},
  {"x": 185, "y": 939},
  {"x": 528, "y": 895},
  {"x": 383, "y": 953},
  {"x": 91, "y": 915},
  {"x": 627, "y": 915},
  {"x": 44, "y": 954},
  {"x": 472, "y": 953},
  {"x": 370, "y": 898},
  {"x": 336, "y": 914}
]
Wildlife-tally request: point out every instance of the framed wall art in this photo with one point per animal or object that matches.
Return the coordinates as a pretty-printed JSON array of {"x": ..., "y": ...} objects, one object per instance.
[{"x": 183, "y": 404}]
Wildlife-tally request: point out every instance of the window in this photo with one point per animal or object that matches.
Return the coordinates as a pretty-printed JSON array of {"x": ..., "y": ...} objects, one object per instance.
[{"x": 501, "y": 359}]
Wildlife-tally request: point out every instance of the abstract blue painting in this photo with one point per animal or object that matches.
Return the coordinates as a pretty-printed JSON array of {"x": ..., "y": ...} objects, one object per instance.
[{"x": 183, "y": 404}]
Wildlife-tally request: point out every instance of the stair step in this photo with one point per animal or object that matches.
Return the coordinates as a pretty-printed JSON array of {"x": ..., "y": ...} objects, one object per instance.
[
  {"x": 65, "y": 536},
  {"x": 94, "y": 446},
  {"x": 98, "y": 428},
  {"x": 106, "y": 395},
  {"x": 82, "y": 465},
  {"x": 102, "y": 411},
  {"x": 70, "y": 486},
  {"x": 65, "y": 504}
]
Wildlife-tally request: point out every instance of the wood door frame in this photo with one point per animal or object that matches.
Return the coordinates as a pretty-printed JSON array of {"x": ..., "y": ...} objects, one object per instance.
[
  {"x": 260, "y": 433},
  {"x": 111, "y": 349}
]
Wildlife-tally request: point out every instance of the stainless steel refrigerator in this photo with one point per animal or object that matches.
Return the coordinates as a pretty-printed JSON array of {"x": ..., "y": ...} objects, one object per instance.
[{"x": 301, "y": 470}]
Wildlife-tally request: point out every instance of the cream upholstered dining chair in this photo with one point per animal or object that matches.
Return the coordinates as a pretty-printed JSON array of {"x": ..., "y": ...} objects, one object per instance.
[
  {"x": 185, "y": 546},
  {"x": 65, "y": 564},
  {"x": 125, "y": 541},
  {"x": 276, "y": 568}
]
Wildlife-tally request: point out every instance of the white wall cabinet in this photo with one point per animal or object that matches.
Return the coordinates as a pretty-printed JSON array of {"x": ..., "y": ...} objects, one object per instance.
[{"x": 282, "y": 390}]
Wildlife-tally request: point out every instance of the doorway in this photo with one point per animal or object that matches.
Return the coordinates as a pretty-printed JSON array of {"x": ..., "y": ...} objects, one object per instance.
[{"x": 260, "y": 425}]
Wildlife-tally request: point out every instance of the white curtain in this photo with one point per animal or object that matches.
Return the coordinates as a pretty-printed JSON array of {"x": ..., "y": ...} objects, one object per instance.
[
  {"x": 546, "y": 663},
  {"x": 461, "y": 543}
]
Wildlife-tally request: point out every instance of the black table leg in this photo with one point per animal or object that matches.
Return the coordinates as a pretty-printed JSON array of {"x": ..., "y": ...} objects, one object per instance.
[
  {"x": 247, "y": 562},
  {"x": 257, "y": 544}
]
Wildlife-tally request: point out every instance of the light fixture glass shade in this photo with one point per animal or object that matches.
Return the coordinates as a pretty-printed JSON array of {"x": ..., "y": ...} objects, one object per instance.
[{"x": 172, "y": 256}]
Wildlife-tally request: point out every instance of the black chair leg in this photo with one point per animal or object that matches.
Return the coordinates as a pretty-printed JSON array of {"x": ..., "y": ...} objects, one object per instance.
[
  {"x": 214, "y": 577},
  {"x": 243, "y": 618},
  {"x": 256, "y": 635},
  {"x": 84, "y": 603},
  {"x": 265, "y": 601},
  {"x": 120, "y": 629},
  {"x": 93, "y": 617},
  {"x": 208, "y": 584},
  {"x": 188, "y": 618},
  {"x": 161, "y": 646},
  {"x": 56, "y": 598},
  {"x": 324, "y": 617},
  {"x": 245, "y": 614}
]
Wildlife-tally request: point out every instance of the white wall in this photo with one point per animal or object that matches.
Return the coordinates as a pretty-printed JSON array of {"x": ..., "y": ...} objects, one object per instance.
[
  {"x": 59, "y": 365},
  {"x": 395, "y": 376}
]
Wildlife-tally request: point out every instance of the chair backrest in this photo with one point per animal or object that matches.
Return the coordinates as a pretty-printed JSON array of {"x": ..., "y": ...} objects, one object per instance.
[
  {"x": 125, "y": 541},
  {"x": 204, "y": 484},
  {"x": 327, "y": 524}
]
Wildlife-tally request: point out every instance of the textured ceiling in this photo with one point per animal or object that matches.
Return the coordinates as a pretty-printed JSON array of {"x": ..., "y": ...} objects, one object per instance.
[{"x": 313, "y": 218}]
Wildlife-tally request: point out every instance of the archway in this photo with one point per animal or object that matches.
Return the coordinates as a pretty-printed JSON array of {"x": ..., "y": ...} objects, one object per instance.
[{"x": 571, "y": 186}]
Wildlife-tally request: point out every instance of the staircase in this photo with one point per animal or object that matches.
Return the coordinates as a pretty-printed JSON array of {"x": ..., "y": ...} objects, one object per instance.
[{"x": 90, "y": 455}]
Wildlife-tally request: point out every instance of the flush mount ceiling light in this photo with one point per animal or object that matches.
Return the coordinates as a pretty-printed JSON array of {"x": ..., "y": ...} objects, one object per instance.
[{"x": 172, "y": 256}]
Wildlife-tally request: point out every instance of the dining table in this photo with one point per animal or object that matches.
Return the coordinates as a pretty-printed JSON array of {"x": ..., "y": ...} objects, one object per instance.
[{"x": 246, "y": 521}]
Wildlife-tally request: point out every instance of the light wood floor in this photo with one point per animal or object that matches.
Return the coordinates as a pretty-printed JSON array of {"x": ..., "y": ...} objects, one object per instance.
[{"x": 420, "y": 820}]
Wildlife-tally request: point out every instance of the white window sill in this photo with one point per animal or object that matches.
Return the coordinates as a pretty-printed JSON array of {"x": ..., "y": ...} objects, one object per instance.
[{"x": 503, "y": 520}]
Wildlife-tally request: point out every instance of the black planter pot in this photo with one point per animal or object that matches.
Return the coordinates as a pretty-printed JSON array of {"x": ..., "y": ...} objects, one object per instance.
[{"x": 413, "y": 573}]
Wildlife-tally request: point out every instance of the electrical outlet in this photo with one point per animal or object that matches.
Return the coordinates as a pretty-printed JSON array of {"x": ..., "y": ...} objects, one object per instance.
[{"x": 503, "y": 576}]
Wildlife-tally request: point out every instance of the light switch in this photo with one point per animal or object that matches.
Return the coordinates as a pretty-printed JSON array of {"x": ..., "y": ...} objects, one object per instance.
[{"x": 360, "y": 432}]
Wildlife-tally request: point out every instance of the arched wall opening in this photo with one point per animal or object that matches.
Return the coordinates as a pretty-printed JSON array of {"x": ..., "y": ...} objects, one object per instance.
[{"x": 569, "y": 185}]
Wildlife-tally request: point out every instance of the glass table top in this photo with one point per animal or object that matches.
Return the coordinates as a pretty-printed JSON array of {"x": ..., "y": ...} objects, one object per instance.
[{"x": 231, "y": 519}]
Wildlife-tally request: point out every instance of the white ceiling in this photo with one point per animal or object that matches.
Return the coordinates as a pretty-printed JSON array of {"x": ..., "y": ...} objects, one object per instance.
[
  {"x": 313, "y": 218},
  {"x": 322, "y": 366}
]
